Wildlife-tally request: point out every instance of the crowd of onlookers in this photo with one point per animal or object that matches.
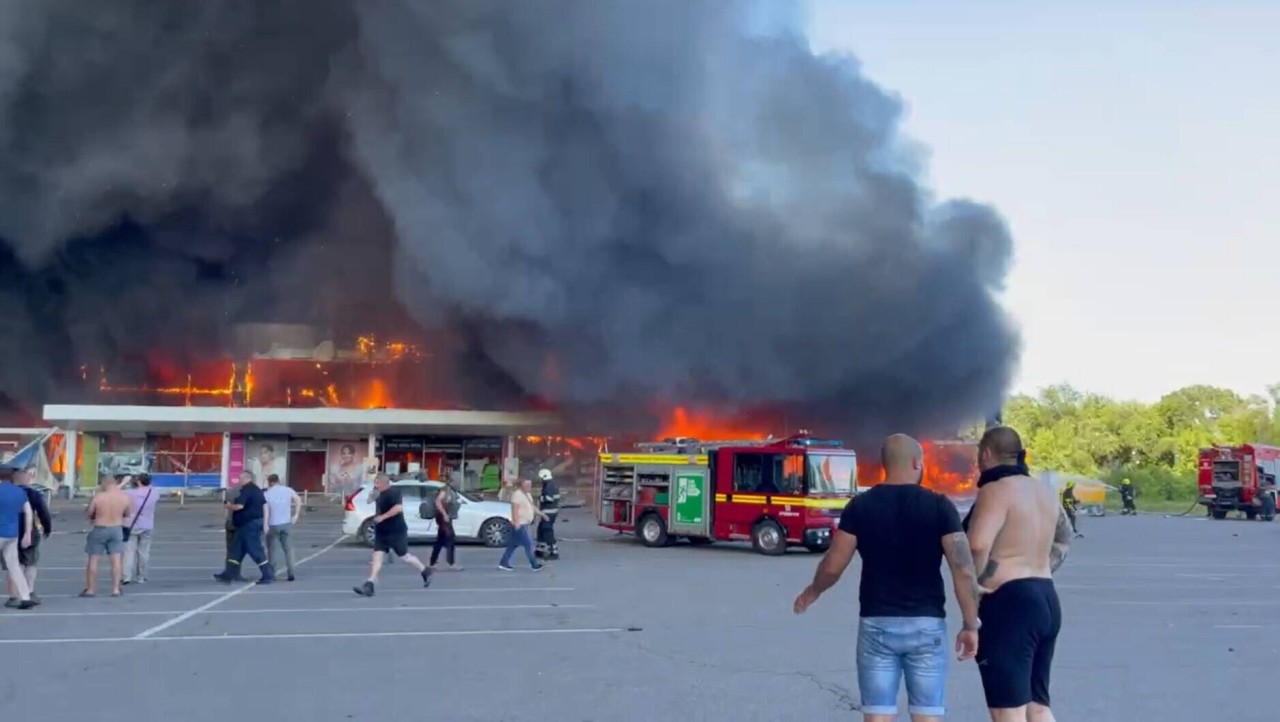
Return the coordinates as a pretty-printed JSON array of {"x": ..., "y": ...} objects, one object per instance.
[
  {"x": 123, "y": 521},
  {"x": 24, "y": 523},
  {"x": 258, "y": 525}
]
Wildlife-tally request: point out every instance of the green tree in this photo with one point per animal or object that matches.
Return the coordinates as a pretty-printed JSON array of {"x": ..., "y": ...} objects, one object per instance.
[{"x": 1157, "y": 444}]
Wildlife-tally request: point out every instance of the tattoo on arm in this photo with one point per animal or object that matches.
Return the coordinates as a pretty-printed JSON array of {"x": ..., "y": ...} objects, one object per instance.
[
  {"x": 960, "y": 558},
  {"x": 1061, "y": 541},
  {"x": 988, "y": 571},
  {"x": 958, "y": 552},
  {"x": 1057, "y": 555}
]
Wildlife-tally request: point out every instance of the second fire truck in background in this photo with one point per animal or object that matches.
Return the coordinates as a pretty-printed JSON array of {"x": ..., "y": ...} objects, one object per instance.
[{"x": 1236, "y": 478}]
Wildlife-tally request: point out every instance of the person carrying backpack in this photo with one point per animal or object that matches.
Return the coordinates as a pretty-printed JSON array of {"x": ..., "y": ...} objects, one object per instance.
[{"x": 447, "y": 506}]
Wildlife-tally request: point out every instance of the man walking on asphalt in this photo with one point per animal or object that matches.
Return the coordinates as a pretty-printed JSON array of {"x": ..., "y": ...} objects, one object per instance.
[
  {"x": 522, "y": 513},
  {"x": 902, "y": 530},
  {"x": 29, "y": 557},
  {"x": 16, "y": 532},
  {"x": 284, "y": 506},
  {"x": 141, "y": 521},
  {"x": 390, "y": 534},
  {"x": 107, "y": 511},
  {"x": 1020, "y": 535},
  {"x": 247, "y": 516}
]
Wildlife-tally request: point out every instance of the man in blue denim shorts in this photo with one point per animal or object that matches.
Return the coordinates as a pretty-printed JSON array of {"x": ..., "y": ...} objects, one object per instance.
[{"x": 903, "y": 530}]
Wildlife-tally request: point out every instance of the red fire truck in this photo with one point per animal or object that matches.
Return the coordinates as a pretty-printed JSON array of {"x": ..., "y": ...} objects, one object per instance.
[
  {"x": 1235, "y": 478},
  {"x": 775, "y": 493}
]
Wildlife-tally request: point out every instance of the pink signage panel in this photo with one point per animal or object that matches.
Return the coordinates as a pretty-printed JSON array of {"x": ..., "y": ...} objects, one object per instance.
[{"x": 235, "y": 460}]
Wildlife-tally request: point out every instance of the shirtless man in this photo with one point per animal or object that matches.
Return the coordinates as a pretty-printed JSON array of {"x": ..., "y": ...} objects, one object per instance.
[
  {"x": 107, "y": 512},
  {"x": 1019, "y": 535}
]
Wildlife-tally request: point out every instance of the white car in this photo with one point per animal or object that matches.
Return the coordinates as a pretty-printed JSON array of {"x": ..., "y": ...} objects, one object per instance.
[{"x": 486, "y": 522}]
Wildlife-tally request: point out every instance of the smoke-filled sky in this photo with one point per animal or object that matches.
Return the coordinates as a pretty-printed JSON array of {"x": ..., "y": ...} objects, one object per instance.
[{"x": 607, "y": 201}]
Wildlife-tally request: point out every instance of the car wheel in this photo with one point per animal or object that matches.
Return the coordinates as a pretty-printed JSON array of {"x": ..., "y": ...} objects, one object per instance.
[
  {"x": 652, "y": 530},
  {"x": 495, "y": 532},
  {"x": 768, "y": 538},
  {"x": 366, "y": 532}
]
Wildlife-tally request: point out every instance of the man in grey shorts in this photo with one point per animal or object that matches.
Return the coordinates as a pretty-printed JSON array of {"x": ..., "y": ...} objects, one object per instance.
[{"x": 107, "y": 512}]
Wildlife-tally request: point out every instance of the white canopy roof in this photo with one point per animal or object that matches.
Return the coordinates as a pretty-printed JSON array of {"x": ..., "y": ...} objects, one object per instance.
[{"x": 298, "y": 422}]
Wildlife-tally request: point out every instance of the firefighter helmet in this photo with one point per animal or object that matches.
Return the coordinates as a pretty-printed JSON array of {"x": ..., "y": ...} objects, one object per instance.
[{"x": 544, "y": 474}]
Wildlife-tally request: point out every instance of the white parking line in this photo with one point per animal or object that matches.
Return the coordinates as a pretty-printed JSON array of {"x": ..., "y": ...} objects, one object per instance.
[
  {"x": 360, "y": 609},
  {"x": 180, "y": 580},
  {"x": 278, "y": 591},
  {"x": 318, "y": 635},
  {"x": 1189, "y": 603},
  {"x": 234, "y": 592},
  {"x": 1156, "y": 584},
  {"x": 205, "y": 567}
]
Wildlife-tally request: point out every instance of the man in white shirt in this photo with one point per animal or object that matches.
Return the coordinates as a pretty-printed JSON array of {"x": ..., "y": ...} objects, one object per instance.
[{"x": 283, "y": 508}]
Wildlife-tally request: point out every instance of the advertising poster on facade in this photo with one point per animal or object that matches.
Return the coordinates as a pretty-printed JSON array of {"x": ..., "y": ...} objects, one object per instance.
[
  {"x": 259, "y": 455},
  {"x": 266, "y": 455},
  {"x": 347, "y": 467}
]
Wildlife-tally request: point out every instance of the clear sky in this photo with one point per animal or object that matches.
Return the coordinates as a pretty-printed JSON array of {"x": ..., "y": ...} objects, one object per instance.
[{"x": 1134, "y": 148}]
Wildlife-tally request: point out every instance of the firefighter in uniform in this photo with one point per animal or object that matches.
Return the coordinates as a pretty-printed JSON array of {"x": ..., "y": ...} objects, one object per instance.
[
  {"x": 1126, "y": 496},
  {"x": 549, "y": 502},
  {"x": 1267, "y": 487},
  {"x": 1070, "y": 504}
]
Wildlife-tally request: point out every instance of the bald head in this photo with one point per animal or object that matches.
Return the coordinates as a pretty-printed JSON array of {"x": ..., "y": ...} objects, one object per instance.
[
  {"x": 903, "y": 460},
  {"x": 999, "y": 446}
]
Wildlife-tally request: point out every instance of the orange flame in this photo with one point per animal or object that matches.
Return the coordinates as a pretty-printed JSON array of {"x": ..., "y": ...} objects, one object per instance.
[
  {"x": 376, "y": 396},
  {"x": 343, "y": 381},
  {"x": 706, "y": 427},
  {"x": 950, "y": 468}
]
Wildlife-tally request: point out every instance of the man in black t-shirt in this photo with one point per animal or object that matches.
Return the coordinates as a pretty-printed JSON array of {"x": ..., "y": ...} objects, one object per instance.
[
  {"x": 246, "y": 514},
  {"x": 390, "y": 534},
  {"x": 903, "y": 530}
]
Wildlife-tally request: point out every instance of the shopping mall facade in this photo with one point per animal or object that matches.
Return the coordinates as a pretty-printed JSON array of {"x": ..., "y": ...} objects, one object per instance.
[{"x": 319, "y": 450}]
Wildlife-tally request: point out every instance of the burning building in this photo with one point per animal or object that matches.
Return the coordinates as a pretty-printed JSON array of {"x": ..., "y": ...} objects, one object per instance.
[
  {"x": 322, "y": 417},
  {"x": 518, "y": 209}
]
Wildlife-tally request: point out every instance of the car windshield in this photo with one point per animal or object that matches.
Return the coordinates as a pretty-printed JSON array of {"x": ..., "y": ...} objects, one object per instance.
[{"x": 831, "y": 473}]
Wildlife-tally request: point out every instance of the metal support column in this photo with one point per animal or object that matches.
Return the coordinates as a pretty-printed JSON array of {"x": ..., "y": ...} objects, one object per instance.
[
  {"x": 510, "y": 468},
  {"x": 462, "y": 468},
  {"x": 225, "y": 480},
  {"x": 69, "y": 462}
]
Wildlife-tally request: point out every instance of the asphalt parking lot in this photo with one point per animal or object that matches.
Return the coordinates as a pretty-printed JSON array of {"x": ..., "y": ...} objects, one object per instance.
[{"x": 1166, "y": 619}]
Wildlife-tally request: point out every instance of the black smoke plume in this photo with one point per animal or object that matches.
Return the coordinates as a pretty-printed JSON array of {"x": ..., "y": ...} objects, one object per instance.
[{"x": 598, "y": 202}]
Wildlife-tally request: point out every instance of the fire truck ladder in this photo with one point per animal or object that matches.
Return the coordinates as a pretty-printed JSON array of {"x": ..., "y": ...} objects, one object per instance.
[{"x": 685, "y": 445}]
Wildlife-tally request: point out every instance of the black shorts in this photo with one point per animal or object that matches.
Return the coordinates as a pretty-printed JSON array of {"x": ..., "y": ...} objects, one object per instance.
[
  {"x": 1020, "y": 625},
  {"x": 29, "y": 557},
  {"x": 397, "y": 544}
]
